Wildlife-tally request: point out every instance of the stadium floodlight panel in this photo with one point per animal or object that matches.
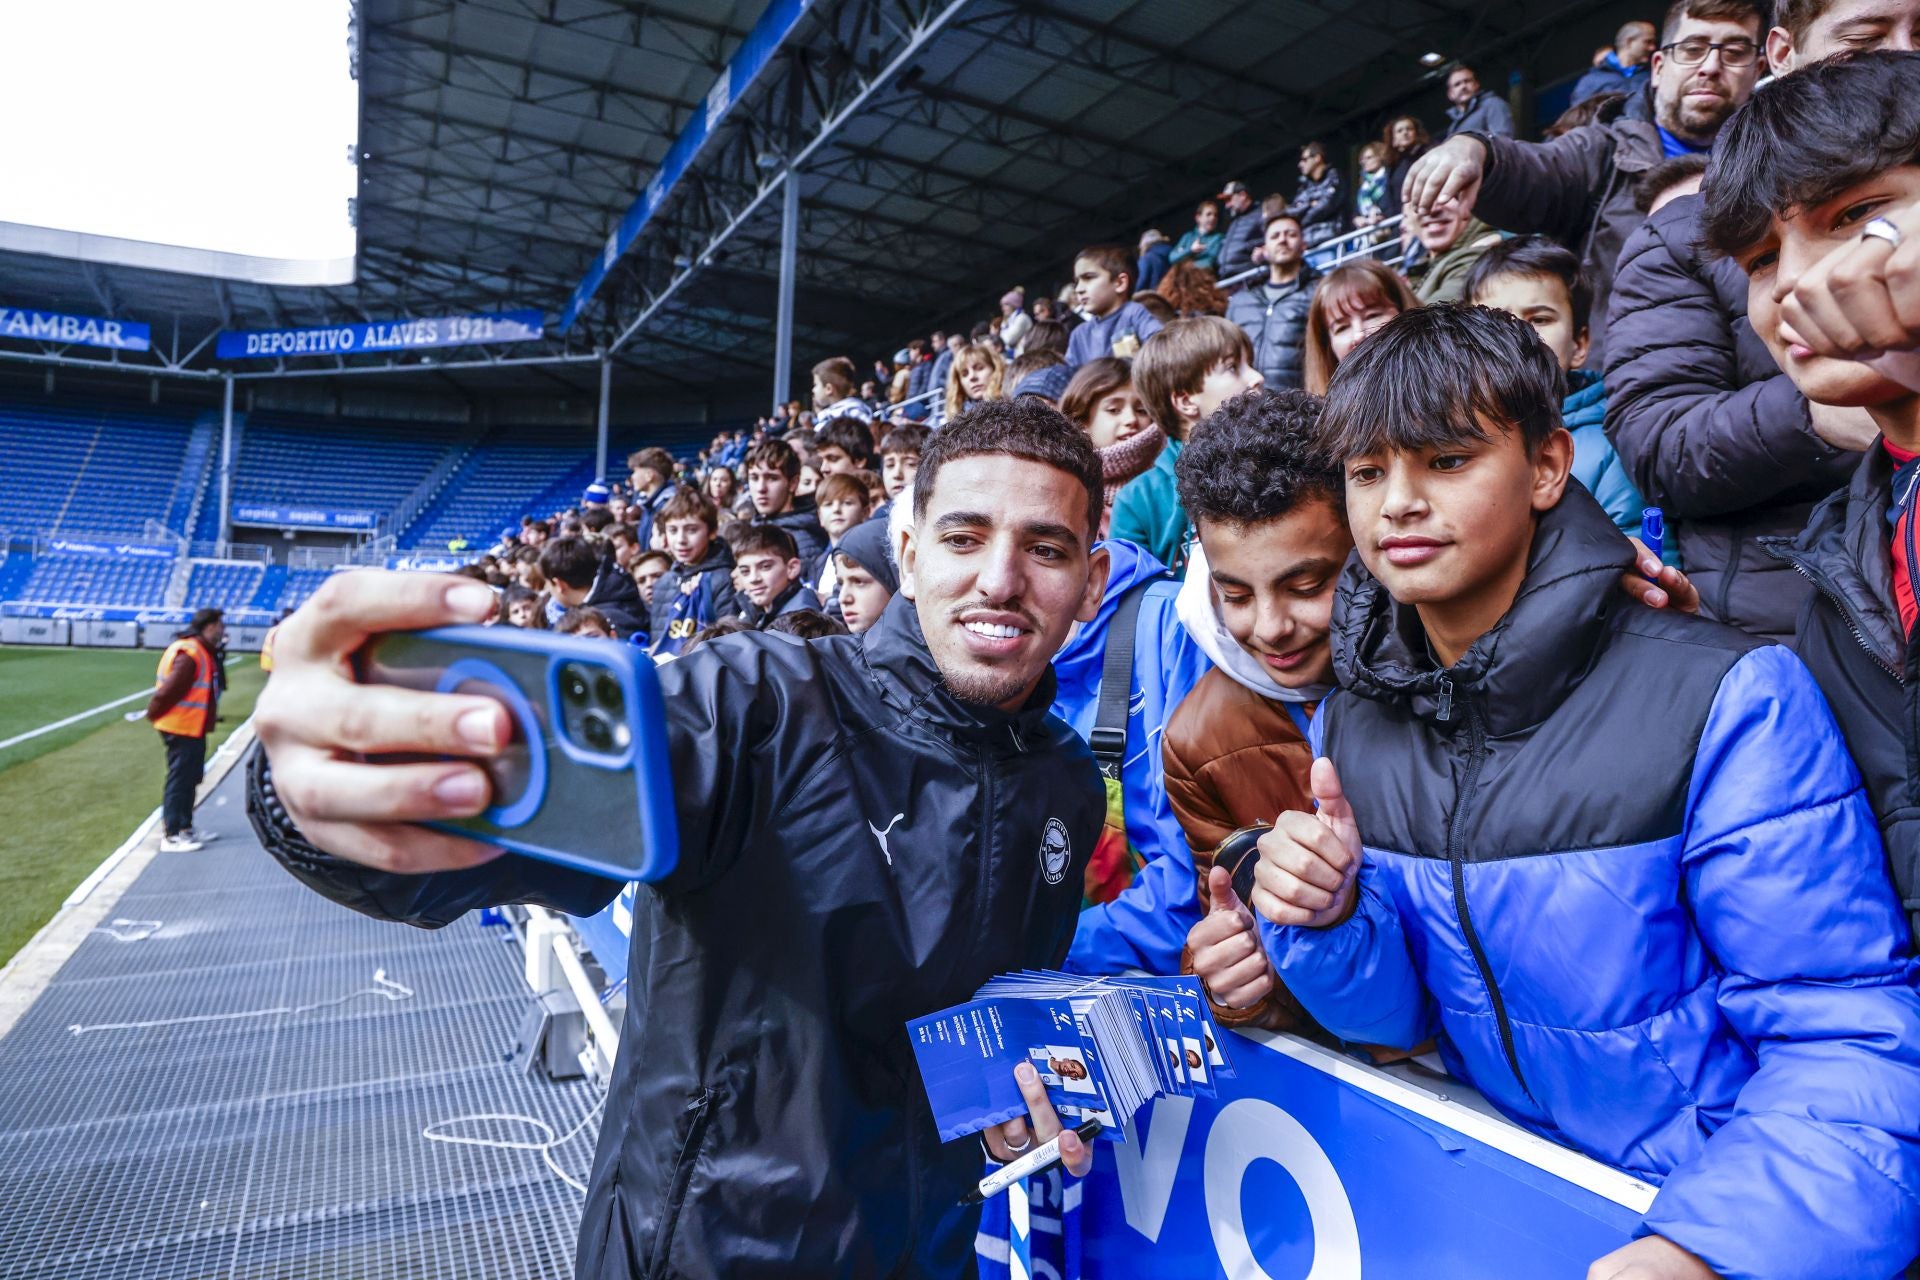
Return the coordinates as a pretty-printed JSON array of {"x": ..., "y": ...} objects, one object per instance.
[{"x": 213, "y": 137}]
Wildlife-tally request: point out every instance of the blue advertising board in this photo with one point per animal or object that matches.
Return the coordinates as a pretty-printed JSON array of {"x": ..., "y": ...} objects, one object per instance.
[
  {"x": 381, "y": 336},
  {"x": 1310, "y": 1164},
  {"x": 278, "y": 517},
  {"x": 29, "y": 325},
  {"x": 102, "y": 613},
  {"x": 134, "y": 550}
]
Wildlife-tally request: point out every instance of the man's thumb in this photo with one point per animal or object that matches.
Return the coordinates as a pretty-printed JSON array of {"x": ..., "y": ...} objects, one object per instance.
[
  {"x": 1328, "y": 795},
  {"x": 1220, "y": 889}
]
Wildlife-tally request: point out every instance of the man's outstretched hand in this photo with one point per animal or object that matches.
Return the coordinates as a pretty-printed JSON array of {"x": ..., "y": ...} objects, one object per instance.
[
  {"x": 315, "y": 722},
  {"x": 1448, "y": 173},
  {"x": 1009, "y": 1141},
  {"x": 1310, "y": 862}
]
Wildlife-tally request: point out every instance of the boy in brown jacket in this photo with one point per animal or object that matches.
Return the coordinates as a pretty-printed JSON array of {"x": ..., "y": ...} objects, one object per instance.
[{"x": 1270, "y": 513}]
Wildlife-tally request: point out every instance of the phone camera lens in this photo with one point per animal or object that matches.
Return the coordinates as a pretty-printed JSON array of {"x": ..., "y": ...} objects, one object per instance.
[
  {"x": 598, "y": 731},
  {"x": 607, "y": 689},
  {"x": 574, "y": 687}
]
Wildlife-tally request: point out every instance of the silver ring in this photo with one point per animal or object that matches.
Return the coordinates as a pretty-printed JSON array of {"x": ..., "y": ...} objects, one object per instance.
[
  {"x": 1881, "y": 229},
  {"x": 1023, "y": 1146}
]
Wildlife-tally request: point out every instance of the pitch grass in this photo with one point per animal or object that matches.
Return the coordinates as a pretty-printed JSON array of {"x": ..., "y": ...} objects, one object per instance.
[
  {"x": 67, "y": 805},
  {"x": 39, "y": 686}
]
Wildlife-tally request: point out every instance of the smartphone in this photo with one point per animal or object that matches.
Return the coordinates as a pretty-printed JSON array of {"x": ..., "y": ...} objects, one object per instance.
[
  {"x": 585, "y": 781},
  {"x": 1239, "y": 853}
]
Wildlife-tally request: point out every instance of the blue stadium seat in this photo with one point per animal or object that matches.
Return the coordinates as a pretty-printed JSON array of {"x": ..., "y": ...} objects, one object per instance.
[
  {"x": 494, "y": 487},
  {"x": 223, "y": 584},
  {"x": 99, "y": 581},
  {"x": 346, "y": 466},
  {"x": 77, "y": 469},
  {"x": 301, "y": 583}
]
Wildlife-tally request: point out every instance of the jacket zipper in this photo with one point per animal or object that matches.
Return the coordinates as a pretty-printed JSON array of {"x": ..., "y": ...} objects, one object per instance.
[
  {"x": 698, "y": 1110},
  {"x": 1913, "y": 589},
  {"x": 1457, "y": 857},
  {"x": 1847, "y": 616},
  {"x": 1726, "y": 582}
]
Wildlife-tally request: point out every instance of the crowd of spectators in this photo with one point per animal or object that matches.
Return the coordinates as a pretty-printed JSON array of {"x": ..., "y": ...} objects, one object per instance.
[{"x": 1253, "y": 401}]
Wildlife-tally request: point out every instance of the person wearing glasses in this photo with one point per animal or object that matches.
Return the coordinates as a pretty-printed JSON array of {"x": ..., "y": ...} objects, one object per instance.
[
  {"x": 1578, "y": 187},
  {"x": 1709, "y": 427}
]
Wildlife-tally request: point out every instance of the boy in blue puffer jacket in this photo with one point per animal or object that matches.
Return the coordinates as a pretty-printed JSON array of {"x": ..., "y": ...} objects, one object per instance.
[
  {"x": 1617, "y": 859},
  {"x": 1538, "y": 280},
  {"x": 1140, "y": 888}
]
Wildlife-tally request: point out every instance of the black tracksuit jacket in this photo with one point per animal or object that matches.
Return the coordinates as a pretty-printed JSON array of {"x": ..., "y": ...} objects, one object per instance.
[
  {"x": 1849, "y": 635},
  {"x": 858, "y": 848}
]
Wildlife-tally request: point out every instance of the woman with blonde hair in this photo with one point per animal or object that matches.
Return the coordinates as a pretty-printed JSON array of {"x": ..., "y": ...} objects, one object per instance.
[
  {"x": 978, "y": 373},
  {"x": 1353, "y": 300}
]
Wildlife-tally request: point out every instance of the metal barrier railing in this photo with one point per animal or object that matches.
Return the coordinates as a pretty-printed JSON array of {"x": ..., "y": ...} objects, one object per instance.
[
  {"x": 1362, "y": 243},
  {"x": 223, "y": 550}
]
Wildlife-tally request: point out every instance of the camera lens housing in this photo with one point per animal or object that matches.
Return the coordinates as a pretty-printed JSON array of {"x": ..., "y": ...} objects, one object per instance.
[
  {"x": 606, "y": 692},
  {"x": 597, "y": 731},
  {"x": 593, "y": 708}
]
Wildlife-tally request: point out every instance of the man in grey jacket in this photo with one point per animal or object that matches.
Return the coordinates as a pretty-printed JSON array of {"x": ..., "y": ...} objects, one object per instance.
[
  {"x": 1578, "y": 187},
  {"x": 1475, "y": 110},
  {"x": 1709, "y": 427},
  {"x": 1243, "y": 233},
  {"x": 1274, "y": 313}
]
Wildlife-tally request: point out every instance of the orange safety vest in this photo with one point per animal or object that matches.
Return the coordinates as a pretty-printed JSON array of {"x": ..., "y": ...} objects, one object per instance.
[
  {"x": 266, "y": 648},
  {"x": 188, "y": 717}
]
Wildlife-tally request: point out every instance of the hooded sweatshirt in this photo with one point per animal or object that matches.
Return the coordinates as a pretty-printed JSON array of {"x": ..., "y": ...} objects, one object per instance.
[
  {"x": 1139, "y": 921},
  {"x": 1235, "y": 755}
]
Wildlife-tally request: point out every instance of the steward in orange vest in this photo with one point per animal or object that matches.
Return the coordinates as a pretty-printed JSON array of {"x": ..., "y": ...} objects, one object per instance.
[{"x": 183, "y": 708}]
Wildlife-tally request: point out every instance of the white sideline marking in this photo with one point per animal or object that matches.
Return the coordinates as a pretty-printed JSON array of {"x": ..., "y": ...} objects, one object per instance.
[
  {"x": 18, "y": 738},
  {"x": 27, "y": 974}
]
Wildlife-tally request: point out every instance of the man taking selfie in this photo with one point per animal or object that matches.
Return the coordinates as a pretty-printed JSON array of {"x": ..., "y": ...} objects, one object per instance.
[{"x": 865, "y": 824}]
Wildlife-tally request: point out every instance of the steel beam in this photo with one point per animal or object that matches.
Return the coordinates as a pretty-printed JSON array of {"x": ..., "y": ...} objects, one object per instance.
[
  {"x": 933, "y": 23},
  {"x": 606, "y": 400},
  {"x": 226, "y": 461},
  {"x": 783, "y": 315}
]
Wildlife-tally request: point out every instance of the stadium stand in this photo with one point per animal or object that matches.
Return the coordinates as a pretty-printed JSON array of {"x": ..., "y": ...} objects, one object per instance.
[
  {"x": 355, "y": 466},
  {"x": 266, "y": 595},
  {"x": 299, "y": 584},
  {"x": 75, "y": 468},
  {"x": 494, "y": 486},
  {"x": 223, "y": 584},
  {"x": 106, "y": 578},
  {"x": 14, "y": 571}
]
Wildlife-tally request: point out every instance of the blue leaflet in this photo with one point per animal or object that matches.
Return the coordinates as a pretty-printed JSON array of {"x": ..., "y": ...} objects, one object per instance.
[{"x": 1103, "y": 1047}]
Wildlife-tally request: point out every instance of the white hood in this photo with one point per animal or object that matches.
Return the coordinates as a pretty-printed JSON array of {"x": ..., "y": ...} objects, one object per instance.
[{"x": 1201, "y": 617}]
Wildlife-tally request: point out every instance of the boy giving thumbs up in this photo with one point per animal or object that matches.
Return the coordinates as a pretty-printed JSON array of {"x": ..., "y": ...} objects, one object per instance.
[{"x": 1305, "y": 874}]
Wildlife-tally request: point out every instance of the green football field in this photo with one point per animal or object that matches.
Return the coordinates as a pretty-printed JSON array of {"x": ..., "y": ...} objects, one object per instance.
[{"x": 70, "y": 797}]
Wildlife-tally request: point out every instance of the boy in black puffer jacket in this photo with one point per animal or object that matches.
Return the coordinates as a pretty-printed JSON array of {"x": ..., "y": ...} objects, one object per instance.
[
  {"x": 1616, "y": 858},
  {"x": 1789, "y": 195}
]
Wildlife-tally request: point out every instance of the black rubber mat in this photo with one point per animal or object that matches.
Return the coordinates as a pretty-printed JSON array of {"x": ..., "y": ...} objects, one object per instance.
[{"x": 231, "y": 1077}]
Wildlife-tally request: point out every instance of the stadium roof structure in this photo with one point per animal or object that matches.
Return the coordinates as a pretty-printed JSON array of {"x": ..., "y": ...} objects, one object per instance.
[{"x": 622, "y": 166}]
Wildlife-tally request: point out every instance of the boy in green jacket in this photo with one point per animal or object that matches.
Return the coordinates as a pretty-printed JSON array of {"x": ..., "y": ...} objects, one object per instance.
[{"x": 1183, "y": 373}]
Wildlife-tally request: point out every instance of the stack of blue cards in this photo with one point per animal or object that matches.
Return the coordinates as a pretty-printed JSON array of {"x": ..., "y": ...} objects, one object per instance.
[{"x": 1104, "y": 1047}]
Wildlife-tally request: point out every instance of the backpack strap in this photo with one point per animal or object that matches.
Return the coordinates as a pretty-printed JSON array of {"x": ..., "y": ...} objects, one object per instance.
[{"x": 1109, "y": 736}]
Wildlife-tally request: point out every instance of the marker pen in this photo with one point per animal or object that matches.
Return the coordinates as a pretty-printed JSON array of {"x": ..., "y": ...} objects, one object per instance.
[
  {"x": 1653, "y": 531},
  {"x": 1038, "y": 1160}
]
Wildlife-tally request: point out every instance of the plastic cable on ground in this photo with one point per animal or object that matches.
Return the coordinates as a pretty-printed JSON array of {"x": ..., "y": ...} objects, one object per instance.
[{"x": 545, "y": 1149}]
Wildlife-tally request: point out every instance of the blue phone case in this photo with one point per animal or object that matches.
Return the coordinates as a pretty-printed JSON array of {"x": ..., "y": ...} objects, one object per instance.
[{"x": 586, "y": 780}]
